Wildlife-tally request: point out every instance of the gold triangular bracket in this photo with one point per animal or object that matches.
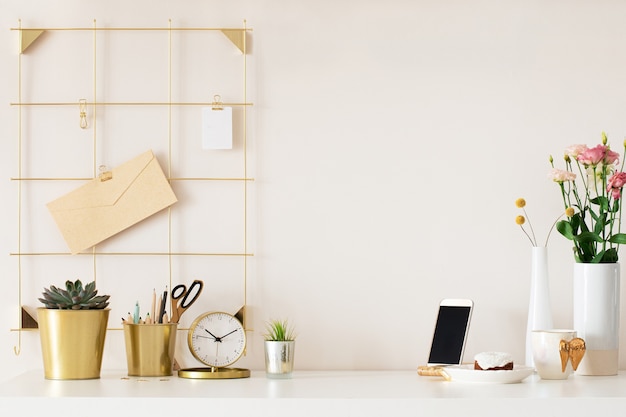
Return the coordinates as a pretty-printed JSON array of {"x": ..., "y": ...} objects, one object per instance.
[
  {"x": 27, "y": 37},
  {"x": 237, "y": 37},
  {"x": 28, "y": 321},
  {"x": 241, "y": 315}
]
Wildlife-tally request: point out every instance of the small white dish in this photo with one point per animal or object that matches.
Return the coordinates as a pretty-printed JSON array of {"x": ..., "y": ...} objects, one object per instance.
[{"x": 467, "y": 373}]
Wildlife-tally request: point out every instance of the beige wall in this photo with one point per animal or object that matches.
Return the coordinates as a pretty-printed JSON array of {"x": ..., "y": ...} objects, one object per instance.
[{"x": 389, "y": 142}]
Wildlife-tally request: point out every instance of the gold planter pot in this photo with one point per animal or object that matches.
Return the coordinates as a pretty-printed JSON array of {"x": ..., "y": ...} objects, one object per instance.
[{"x": 72, "y": 342}]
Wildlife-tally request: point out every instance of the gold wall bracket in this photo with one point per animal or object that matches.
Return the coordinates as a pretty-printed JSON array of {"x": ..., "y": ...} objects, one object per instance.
[
  {"x": 28, "y": 321},
  {"x": 237, "y": 37},
  {"x": 27, "y": 37}
]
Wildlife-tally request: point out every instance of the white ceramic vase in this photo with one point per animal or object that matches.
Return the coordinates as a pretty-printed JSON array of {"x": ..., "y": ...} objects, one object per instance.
[
  {"x": 539, "y": 305},
  {"x": 596, "y": 316}
]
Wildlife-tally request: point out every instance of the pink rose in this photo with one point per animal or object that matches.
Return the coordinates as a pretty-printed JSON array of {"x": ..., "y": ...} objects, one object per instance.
[
  {"x": 611, "y": 157},
  {"x": 574, "y": 150},
  {"x": 558, "y": 175},
  {"x": 601, "y": 153},
  {"x": 592, "y": 156},
  {"x": 615, "y": 184}
]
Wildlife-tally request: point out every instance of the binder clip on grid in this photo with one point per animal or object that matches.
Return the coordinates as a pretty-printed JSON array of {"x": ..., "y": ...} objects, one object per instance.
[
  {"x": 105, "y": 174},
  {"x": 217, "y": 103},
  {"x": 82, "y": 103}
]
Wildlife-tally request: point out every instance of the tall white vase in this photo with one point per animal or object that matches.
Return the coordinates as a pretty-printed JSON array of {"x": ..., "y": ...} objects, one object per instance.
[
  {"x": 596, "y": 316},
  {"x": 539, "y": 306}
]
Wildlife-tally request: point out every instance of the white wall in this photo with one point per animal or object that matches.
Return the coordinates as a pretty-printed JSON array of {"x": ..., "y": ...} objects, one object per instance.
[{"x": 391, "y": 140}]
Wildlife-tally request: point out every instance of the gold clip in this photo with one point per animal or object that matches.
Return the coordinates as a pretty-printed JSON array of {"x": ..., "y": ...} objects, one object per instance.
[
  {"x": 104, "y": 174},
  {"x": 217, "y": 104},
  {"x": 83, "y": 113}
]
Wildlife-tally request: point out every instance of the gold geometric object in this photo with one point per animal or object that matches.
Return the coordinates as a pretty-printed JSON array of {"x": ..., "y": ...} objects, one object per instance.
[
  {"x": 27, "y": 37},
  {"x": 28, "y": 321},
  {"x": 241, "y": 315},
  {"x": 237, "y": 37}
]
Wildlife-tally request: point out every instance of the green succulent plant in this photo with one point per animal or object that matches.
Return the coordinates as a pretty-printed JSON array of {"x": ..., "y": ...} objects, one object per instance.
[
  {"x": 279, "y": 331},
  {"x": 74, "y": 297}
]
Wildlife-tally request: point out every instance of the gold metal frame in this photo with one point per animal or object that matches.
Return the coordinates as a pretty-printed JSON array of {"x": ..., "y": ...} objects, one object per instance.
[{"x": 27, "y": 38}]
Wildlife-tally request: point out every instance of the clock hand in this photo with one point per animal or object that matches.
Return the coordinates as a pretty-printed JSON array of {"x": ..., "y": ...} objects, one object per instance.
[
  {"x": 217, "y": 339},
  {"x": 229, "y": 333}
]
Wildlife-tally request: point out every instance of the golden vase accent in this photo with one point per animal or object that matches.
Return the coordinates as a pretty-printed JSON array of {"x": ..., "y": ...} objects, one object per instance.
[
  {"x": 150, "y": 348},
  {"x": 72, "y": 342}
]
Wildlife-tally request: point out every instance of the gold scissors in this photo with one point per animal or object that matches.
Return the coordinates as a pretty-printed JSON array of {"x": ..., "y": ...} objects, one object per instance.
[{"x": 180, "y": 298}]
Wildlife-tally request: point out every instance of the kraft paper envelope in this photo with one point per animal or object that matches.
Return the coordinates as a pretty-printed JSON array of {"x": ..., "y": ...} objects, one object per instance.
[{"x": 104, "y": 207}]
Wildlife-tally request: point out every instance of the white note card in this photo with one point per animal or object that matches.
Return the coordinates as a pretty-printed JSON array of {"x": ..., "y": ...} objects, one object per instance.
[{"x": 217, "y": 128}]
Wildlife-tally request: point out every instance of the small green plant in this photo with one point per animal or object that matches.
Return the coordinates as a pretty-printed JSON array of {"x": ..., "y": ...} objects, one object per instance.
[
  {"x": 279, "y": 331},
  {"x": 74, "y": 297}
]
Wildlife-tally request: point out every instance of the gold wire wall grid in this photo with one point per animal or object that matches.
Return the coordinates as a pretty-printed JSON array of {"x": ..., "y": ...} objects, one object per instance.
[{"x": 87, "y": 112}]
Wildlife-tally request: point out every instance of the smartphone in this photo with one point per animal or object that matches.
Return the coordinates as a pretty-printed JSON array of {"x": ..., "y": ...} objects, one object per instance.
[{"x": 451, "y": 328}]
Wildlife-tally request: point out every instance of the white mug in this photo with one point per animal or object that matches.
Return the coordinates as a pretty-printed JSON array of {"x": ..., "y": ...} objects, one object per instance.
[{"x": 547, "y": 352}]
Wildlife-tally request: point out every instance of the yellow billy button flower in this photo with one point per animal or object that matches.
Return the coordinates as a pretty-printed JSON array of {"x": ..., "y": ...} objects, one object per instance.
[
  {"x": 520, "y": 220},
  {"x": 569, "y": 212},
  {"x": 520, "y": 202}
]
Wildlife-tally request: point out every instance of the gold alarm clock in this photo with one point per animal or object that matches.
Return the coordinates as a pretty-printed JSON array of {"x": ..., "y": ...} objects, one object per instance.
[{"x": 218, "y": 340}]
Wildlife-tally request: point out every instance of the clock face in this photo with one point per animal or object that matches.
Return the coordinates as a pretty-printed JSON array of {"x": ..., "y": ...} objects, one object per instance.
[{"x": 217, "y": 339}]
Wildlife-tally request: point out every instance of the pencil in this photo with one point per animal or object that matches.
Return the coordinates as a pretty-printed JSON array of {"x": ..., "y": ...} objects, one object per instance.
[
  {"x": 158, "y": 308},
  {"x": 153, "y": 311}
]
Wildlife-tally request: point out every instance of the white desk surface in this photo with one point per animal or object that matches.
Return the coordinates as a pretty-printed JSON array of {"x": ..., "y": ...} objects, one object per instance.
[{"x": 312, "y": 393}]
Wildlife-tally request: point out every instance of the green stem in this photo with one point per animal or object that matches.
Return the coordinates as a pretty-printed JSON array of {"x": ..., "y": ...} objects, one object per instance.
[{"x": 534, "y": 239}]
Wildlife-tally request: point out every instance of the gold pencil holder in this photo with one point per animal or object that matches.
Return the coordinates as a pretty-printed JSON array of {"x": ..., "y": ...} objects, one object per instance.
[{"x": 150, "y": 348}]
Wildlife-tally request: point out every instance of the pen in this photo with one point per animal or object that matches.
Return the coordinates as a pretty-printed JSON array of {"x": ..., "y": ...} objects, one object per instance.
[
  {"x": 136, "y": 315},
  {"x": 163, "y": 304}
]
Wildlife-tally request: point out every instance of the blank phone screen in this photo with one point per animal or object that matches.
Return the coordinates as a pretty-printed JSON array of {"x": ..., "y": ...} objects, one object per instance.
[{"x": 449, "y": 337}]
